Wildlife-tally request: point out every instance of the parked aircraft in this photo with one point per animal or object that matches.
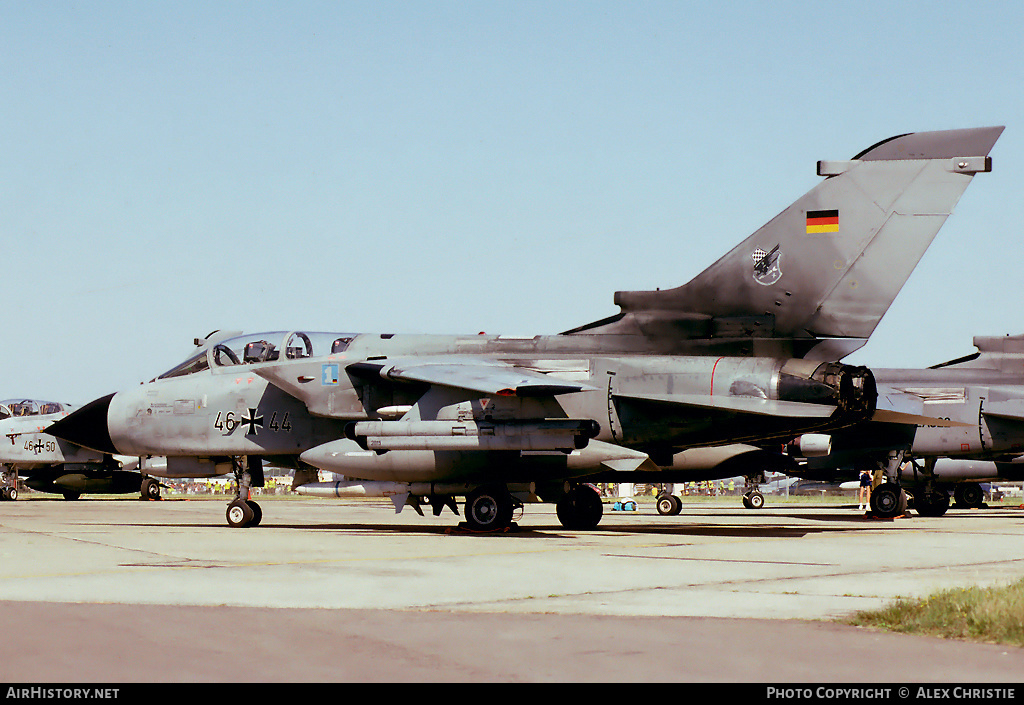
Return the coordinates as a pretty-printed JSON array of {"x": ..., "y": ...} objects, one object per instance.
[
  {"x": 982, "y": 393},
  {"x": 742, "y": 353},
  {"x": 53, "y": 465}
]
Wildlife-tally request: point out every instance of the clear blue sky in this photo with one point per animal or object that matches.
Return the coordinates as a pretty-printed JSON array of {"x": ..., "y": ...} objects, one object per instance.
[{"x": 169, "y": 169}]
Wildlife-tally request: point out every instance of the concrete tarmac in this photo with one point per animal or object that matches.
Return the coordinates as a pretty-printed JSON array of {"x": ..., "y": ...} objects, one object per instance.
[{"x": 122, "y": 590}]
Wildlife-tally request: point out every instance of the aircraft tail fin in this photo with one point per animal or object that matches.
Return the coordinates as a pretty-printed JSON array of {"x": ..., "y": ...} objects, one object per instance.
[{"x": 829, "y": 265}]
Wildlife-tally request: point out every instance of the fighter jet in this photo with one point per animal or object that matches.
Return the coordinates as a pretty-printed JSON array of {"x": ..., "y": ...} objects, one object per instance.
[
  {"x": 977, "y": 403},
  {"x": 742, "y": 353},
  {"x": 53, "y": 465}
]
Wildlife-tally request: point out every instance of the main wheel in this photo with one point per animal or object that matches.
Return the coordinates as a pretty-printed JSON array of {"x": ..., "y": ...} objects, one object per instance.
[
  {"x": 580, "y": 508},
  {"x": 150, "y": 488},
  {"x": 970, "y": 494},
  {"x": 489, "y": 509},
  {"x": 240, "y": 514},
  {"x": 932, "y": 504},
  {"x": 888, "y": 500}
]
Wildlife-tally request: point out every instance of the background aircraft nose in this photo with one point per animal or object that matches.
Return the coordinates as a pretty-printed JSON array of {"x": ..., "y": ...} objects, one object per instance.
[{"x": 87, "y": 426}]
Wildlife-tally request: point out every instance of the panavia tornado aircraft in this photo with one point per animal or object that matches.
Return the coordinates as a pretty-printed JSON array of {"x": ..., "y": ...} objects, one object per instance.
[
  {"x": 53, "y": 465},
  {"x": 982, "y": 394},
  {"x": 742, "y": 353}
]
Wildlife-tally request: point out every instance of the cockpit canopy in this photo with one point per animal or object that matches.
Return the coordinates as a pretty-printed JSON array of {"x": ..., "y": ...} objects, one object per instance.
[
  {"x": 28, "y": 407},
  {"x": 261, "y": 347}
]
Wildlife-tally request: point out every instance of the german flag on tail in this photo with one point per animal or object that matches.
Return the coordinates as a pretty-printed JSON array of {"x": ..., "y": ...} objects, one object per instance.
[{"x": 822, "y": 222}]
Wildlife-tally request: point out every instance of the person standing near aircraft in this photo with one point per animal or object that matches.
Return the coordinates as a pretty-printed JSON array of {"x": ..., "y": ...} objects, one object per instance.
[{"x": 865, "y": 489}]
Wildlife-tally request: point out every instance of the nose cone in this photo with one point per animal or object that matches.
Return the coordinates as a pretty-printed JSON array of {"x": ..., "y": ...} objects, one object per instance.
[{"x": 87, "y": 426}]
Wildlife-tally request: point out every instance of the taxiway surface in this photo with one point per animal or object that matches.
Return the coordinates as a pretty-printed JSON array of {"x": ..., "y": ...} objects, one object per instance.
[{"x": 126, "y": 590}]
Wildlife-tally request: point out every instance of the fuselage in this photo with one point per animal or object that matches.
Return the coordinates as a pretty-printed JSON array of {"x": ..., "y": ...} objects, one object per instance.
[{"x": 264, "y": 395}]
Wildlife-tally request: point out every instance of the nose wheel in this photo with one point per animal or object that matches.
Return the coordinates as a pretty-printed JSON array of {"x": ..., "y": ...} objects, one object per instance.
[
  {"x": 244, "y": 512},
  {"x": 669, "y": 505}
]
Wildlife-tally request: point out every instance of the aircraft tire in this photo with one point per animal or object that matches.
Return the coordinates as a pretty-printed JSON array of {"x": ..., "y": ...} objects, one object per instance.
[
  {"x": 150, "y": 489},
  {"x": 489, "y": 509},
  {"x": 71, "y": 496},
  {"x": 257, "y": 513},
  {"x": 10, "y": 493},
  {"x": 932, "y": 504},
  {"x": 753, "y": 500},
  {"x": 580, "y": 508},
  {"x": 888, "y": 500},
  {"x": 669, "y": 505},
  {"x": 239, "y": 514},
  {"x": 970, "y": 494}
]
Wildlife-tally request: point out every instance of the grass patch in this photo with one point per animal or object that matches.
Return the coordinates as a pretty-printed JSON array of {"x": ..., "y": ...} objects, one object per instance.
[{"x": 994, "y": 615}]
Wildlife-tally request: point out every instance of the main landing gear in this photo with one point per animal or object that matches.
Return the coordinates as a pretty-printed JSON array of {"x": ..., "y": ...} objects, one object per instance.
[
  {"x": 888, "y": 500},
  {"x": 492, "y": 507}
]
